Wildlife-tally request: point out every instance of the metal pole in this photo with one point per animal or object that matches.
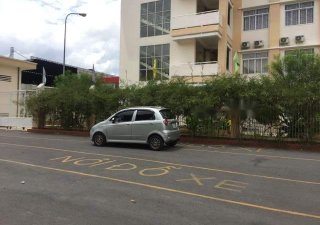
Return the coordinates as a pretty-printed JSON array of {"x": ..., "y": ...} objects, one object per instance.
[{"x": 65, "y": 37}]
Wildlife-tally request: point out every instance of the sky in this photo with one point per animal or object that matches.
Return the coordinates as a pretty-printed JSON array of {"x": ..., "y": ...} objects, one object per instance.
[{"x": 36, "y": 28}]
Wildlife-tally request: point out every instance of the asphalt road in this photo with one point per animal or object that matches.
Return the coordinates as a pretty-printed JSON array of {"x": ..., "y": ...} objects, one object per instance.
[{"x": 55, "y": 180}]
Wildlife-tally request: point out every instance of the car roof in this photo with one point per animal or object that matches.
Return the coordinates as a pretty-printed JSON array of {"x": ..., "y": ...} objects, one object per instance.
[{"x": 146, "y": 107}]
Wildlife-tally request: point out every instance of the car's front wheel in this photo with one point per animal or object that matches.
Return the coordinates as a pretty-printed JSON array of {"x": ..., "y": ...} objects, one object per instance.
[
  {"x": 99, "y": 139},
  {"x": 156, "y": 142}
]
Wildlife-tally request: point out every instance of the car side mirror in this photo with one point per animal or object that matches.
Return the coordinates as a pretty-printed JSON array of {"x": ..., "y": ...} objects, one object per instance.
[{"x": 115, "y": 120}]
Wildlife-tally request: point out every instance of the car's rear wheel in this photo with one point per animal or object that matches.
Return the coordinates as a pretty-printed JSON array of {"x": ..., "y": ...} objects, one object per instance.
[
  {"x": 156, "y": 142},
  {"x": 99, "y": 139}
]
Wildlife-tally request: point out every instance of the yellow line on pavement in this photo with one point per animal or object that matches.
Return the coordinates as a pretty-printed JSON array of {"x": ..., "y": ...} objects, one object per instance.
[
  {"x": 250, "y": 154},
  {"x": 169, "y": 163},
  {"x": 246, "y": 204},
  {"x": 187, "y": 149}
]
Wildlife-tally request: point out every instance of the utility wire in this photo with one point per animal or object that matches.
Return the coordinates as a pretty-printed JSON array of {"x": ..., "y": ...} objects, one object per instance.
[{"x": 20, "y": 54}]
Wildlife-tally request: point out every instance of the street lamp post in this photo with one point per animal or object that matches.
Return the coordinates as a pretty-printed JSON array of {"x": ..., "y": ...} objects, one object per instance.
[{"x": 65, "y": 34}]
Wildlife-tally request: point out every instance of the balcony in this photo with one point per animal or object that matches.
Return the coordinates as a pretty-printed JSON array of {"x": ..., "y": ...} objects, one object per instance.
[
  {"x": 196, "y": 25},
  {"x": 195, "y": 69}
]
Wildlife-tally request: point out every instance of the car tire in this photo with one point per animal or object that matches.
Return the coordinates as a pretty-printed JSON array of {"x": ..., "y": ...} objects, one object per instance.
[
  {"x": 172, "y": 143},
  {"x": 99, "y": 139},
  {"x": 155, "y": 142}
]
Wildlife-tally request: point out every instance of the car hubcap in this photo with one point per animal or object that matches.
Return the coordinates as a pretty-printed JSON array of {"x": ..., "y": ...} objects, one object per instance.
[
  {"x": 99, "y": 139},
  {"x": 155, "y": 142}
]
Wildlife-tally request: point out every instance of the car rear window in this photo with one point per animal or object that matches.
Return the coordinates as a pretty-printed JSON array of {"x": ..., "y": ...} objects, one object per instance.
[
  {"x": 145, "y": 115},
  {"x": 167, "y": 114}
]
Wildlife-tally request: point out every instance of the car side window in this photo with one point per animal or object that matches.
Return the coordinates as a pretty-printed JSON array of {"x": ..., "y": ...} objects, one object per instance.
[
  {"x": 125, "y": 116},
  {"x": 145, "y": 115}
]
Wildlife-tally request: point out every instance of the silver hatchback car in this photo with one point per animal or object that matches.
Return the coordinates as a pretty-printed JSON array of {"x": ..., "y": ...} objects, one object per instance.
[{"x": 154, "y": 126}]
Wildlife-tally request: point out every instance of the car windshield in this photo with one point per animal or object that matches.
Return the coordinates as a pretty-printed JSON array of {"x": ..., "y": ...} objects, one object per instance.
[{"x": 167, "y": 114}]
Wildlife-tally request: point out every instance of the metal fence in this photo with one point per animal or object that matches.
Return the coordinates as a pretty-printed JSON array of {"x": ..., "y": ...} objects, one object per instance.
[
  {"x": 301, "y": 123},
  {"x": 286, "y": 123}
]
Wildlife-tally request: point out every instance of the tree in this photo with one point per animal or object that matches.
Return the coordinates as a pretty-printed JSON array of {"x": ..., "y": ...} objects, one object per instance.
[
  {"x": 73, "y": 100},
  {"x": 297, "y": 79},
  {"x": 234, "y": 92},
  {"x": 40, "y": 105},
  {"x": 70, "y": 102}
]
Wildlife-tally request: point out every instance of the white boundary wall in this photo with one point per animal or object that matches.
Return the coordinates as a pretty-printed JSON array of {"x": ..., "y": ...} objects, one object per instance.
[
  {"x": 13, "y": 103},
  {"x": 18, "y": 122}
]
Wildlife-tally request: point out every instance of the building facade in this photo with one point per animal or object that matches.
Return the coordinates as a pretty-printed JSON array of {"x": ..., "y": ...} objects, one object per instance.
[
  {"x": 197, "y": 39},
  {"x": 10, "y": 84},
  {"x": 31, "y": 78}
]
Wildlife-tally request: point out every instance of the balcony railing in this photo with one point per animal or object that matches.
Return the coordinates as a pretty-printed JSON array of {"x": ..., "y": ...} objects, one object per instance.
[
  {"x": 196, "y": 20},
  {"x": 195, "y": 69}
]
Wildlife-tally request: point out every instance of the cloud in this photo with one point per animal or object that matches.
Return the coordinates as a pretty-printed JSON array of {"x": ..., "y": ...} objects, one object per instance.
[{"x": 39, "y": 31}]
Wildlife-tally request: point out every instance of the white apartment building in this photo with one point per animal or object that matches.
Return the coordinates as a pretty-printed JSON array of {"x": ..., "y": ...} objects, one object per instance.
[{"x": 197, "y": 39}]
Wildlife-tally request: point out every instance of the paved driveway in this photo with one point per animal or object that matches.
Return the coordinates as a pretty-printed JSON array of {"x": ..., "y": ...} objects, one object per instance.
[{"x": 47, "y": 179}]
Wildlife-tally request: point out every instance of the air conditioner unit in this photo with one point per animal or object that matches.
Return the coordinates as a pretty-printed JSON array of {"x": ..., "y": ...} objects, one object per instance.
[
  {"x": 245, "y": 45},
  {"x": 258, "y": 44},
  {"x": 299, "y": 39},
  {"x": 284, "y": 41}
]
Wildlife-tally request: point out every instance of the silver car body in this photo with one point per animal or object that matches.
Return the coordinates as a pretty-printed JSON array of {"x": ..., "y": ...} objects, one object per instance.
[{"x": 145, "y": 122}]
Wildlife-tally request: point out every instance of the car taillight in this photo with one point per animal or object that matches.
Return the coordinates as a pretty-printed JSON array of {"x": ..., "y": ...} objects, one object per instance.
[{"x": 166, "y": 122}]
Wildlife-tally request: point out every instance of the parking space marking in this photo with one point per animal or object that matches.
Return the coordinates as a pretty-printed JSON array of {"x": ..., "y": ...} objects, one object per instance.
[
  {"x": 232, "y": 185},
  {"x": 96, "y": 162},
  {"x": 196, "y": 150},
  {"x": 158, "y": 171},
  {"x": 169, "y": 163},
  {"x": 229, "y": 185},
  {"x": 191, "y": 194},
  {"x": 196, "y": 179}
]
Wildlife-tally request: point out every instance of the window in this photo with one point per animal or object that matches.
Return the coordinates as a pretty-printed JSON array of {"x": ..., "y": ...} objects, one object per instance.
[
  {"x": 167, "y": 114},
  {"x": 256, "y": 19},
  {"x": 155, "y": 18},
  {"x": 255, "y": 62},
  {"x": 308, "y": 51},
  {"x": 125, "y": 116},
  {"x": 228, "y": 58},
  {"x": 154, "y": 62},
  {"x": 229, "y": 14},
  {"x": 299, "y": 13},
  {"x": 5, "y": 78},
  {"x": 145, "y": 115}
]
